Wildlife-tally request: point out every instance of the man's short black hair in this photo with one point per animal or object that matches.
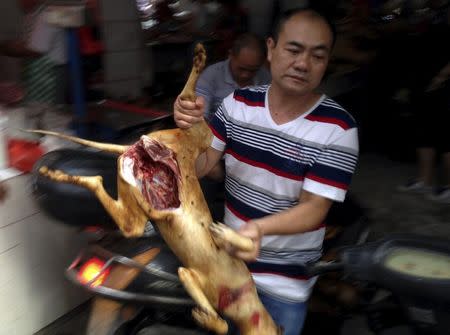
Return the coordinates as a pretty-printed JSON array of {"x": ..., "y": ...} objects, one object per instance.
[
  {"x": 285, "y": 16},
  {"x": 248, "y": 40}
]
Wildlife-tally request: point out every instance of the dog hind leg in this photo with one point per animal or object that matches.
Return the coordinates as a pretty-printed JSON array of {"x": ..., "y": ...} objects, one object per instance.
[{"x": 204, "y": 313}]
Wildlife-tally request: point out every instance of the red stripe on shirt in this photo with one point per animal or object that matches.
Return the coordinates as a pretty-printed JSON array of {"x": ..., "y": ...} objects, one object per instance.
[
  {"x": 264, "y": 166},
  {"x": 236, "y": 213},
  {"x": 216, "y": 134},
  {"x": 331, "y": 120},
  {"x": 326, "y": 181},
  {"x": 242, "y": 99}
]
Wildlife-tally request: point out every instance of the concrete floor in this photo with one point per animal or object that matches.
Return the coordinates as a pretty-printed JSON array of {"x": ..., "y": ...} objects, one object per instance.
[{"x": 374, "y": 185}]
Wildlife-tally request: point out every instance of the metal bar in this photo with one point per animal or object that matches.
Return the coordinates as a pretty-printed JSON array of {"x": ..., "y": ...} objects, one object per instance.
[{"x": 76, "y": 79}]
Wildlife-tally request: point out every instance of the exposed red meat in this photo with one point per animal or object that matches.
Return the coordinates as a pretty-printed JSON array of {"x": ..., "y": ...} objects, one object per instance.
[{"x": 156, "y": 171}]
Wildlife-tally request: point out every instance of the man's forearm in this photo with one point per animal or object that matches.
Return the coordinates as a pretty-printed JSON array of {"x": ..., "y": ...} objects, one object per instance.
[
  {"x": 207, "y": 161},
  {"x": 305, "y": 216},
  {"x": 201, "y": 166},
  {"x": 217, "y": 172}
]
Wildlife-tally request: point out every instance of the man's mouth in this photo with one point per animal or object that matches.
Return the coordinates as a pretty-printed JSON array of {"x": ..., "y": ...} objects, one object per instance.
[
  {"x": 299, "y": 79},
  {"x": 153, "y": 169}
]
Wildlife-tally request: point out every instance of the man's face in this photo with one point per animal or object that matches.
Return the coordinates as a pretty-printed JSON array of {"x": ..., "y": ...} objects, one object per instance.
[
  {"x": 245, "y": 65},
  {"x": 300, "y": 57}
]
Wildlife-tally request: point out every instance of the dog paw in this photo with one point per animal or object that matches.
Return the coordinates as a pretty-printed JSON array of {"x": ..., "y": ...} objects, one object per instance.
[{"x": 209, "y": 321}]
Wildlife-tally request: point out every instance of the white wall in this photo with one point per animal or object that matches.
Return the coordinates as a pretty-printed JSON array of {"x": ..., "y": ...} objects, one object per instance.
[
  {"x": 34, "y": 251},
  {"x": 124, "y": 57}
]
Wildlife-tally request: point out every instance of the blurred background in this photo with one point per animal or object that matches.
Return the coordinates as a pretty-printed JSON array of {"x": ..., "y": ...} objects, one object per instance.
[{"x": 117, "y": 65}]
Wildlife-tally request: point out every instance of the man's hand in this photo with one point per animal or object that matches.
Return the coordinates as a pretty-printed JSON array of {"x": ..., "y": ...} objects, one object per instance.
[
  {"x": 253, "y": 231},
  {"x": 187, "y": 113}
]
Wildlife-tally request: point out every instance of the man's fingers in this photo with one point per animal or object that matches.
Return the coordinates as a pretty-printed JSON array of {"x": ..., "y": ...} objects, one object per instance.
[
  {"x": 188, "y": 108},
  {"x": 183, "y": 124},
  {"x": 245, "y": 256},
  {"x": 186, "y": 120},
  {"x": 200, "y": 102}
]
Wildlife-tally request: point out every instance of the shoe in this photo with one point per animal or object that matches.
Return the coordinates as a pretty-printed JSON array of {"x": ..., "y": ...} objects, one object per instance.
[
  {"x": 415, "y": 186},
  {"x": 441, "y": 195}
]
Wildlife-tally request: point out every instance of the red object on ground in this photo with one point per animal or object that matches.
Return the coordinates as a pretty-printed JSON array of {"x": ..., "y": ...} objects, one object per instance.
[{"x": 23, "y": 154}]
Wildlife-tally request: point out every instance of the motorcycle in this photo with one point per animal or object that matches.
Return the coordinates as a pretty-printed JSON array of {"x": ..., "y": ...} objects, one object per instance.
[
  {"x": 414, "y": 273},
  {"x": 135, "y": 285}
]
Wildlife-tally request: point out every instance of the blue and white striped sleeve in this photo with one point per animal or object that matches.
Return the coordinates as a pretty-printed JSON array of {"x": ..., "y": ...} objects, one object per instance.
[
  {"x": 218, "y": 125},
  {"x": 332, "y": 171}
]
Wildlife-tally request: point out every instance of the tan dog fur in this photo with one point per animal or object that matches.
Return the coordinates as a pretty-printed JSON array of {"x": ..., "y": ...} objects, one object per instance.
[{"x": 215, "y": 280}]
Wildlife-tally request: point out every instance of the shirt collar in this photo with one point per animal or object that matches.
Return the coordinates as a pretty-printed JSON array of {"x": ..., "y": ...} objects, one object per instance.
[{"x": 228, "y": 76}]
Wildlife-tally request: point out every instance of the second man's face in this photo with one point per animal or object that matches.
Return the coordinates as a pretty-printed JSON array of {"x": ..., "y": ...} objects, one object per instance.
[
  {"x": 298, "y": 60},
  {"x": 245, "y": 65}
]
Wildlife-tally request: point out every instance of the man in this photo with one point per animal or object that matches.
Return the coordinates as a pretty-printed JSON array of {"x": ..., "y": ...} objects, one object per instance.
[
  {"x": 289, "y": 153},
  {"x": 42, "y": 48},
  {"x": 242, "y": 68}
]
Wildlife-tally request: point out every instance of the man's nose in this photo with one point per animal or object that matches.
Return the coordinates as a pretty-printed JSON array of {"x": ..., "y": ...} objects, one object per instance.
[
  {"x": 302, "y": 62},
  {"x": 246, "y": 75}
]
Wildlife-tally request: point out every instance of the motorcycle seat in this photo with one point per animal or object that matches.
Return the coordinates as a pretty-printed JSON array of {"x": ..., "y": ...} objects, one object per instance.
[{"x": 73, "y": 204}]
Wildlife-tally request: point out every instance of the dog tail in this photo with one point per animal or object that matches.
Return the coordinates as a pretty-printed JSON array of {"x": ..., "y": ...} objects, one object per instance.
[{"x": 109, "y": 147}]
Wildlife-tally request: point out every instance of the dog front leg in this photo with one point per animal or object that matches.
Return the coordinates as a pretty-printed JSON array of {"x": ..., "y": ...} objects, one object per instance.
[{"x": 224, "y": 235}]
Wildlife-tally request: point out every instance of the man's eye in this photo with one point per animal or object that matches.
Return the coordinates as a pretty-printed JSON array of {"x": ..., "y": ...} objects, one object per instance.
[
  {"x": 319, "y": 57},
  {"x": 293, "y": 51}
]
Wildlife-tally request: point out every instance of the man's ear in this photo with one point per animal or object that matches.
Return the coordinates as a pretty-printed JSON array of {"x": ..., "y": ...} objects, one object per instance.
[{"x": 270, "y": 46}]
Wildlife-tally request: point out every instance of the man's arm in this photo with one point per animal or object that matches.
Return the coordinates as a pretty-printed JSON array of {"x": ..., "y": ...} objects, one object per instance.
[
  {"x": 186, "y": 114},
  {"x": 209, "y": 164},
  {"x": 306, "y": 216}
]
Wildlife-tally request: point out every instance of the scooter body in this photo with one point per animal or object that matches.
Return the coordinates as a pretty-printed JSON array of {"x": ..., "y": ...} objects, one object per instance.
[{"x": 413, "y": 270}]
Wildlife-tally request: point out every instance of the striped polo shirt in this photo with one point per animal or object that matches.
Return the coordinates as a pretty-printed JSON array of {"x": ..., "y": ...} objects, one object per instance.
[{"x": 267, "y": 167}]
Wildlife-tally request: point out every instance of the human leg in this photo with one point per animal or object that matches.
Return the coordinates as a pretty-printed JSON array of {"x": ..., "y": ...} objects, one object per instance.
[
  {"x": 289, "y": 315},
  {"x": 426, "y": 138},
  {"x": 442, "y": 193},
  {"x": 426, "y": 157}
]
